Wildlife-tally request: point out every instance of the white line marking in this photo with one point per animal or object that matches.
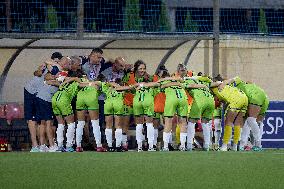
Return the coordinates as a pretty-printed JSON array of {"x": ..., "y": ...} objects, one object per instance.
[
  {"x": 275, "y": 110},
  {"x": 272, "y": 140}
]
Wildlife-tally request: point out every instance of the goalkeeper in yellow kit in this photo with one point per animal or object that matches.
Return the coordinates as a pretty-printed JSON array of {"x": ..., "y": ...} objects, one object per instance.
[{"x": 237, "y": 103}]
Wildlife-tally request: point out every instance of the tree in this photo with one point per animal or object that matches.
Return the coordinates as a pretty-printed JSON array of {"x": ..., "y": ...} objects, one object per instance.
[
  {"x": 52, "y": 20},
  {"x": 262, "y": 26},
  {"x": 189, "y": 24},
  {"x": 132, "y": 20},
  {"x": 164, "y": 24},
  {"x": 94, "y": 26}
]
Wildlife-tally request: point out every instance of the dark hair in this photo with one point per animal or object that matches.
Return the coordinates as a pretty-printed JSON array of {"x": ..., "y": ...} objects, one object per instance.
[
  {"x": 101, "y": 77},
  {"x": 56, "y": 55},
  {"x": 218, "y": 78},
  {"x": 118, "y": 81},
  {"x": 199, "y": 74},
  {"x": 181, "y": 66},
  {"x": 75, "y": 59},
  {"x": 137, "y": 64},
  {"x": 165, "y": 74},
  {"x": 162, "y": 68},
  {"x": 97, "y": 50}
]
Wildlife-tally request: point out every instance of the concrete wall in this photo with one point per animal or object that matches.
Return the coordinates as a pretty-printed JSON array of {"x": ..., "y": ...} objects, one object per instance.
[{"x": 260, "y": 61}]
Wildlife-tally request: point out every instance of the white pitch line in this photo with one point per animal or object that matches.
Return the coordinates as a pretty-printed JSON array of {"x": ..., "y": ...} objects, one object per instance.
[
  {"x": 273, "y": 140},
  {"x": 275, "y": 111}
]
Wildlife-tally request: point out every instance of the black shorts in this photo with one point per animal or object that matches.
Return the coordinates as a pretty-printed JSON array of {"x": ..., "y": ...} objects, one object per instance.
[
  {"x": 30, "y": 106},
  {"x": 44, "y": 110}
]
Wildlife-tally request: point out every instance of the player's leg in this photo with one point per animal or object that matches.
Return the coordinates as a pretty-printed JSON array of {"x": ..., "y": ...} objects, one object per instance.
[
  {"x": 148, "y": 106},
  {"x": 261, "y": 115},
  {"x": 239, "y": 122},
  {"x": 93, "y": 109},
  {"x": 125, "y": 121},
  {"x": 30, "y": 117},
  {"x": 194, "y": 115},
  {"x": 70, "y": 134},
  {"x": 60, "y": 121},
  {"x": 80, "y": 129},
  {"x": 81, "y": 116},
  {"x": 108, "y": 131},
  {"x": 42, "y": 127},
  {"x": 139, "y": 120},
  {"x": 253, "y": 112},
  {"x": 60, "y": 132},
  {"x": 244, "y": 136},
  {"x": 169, "y": 111},
  {"x": 207, "y": 109},
  {"x": 229, "y": 119},
  {"x": 108, "y": 111},
  {"x": 182, "y": 112},
  {"x": 118, "y": 133},
  {"x": 67, "y": 113},
  {"x": 46, "y": 115}
]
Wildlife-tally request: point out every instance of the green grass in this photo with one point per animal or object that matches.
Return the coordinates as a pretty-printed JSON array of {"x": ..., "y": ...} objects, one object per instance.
[{"x": 143, "y": 170}]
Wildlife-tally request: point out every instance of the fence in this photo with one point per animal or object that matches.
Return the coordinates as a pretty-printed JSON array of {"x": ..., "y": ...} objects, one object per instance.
[{"x": 158, "y": 16}]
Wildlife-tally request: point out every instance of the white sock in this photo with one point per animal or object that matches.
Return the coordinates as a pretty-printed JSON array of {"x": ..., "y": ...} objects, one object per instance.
[
  {"x": 150, "y": 134},
  {"x": 261, "y": 125},
  {"x": 118, "y": 137},
  {"x": 206, "y": 134},
  {"x": 124, "y": 139},
  {"x": 182, "y": 139},
  {"x": 70, "y": 134},
  {"x": 139, "y": 135},
  {"x": 190, "y": 134},
  {"x": 244, "y": 134},
  {"x": 156, "y": 133},
  {"x": 254, "y": 129},
  {"x": 171, "y": 137},
  {"x": 143, "y": 136},
  {"x": 211, "y": 131},
  {"x": 97, "y": 132},
  {"x": 218, "y": 130},
  {"x": 108, "y": 133},
  {"x": 166, "y": 139},
  {"x": 79, "y": 132},
  {"x": 59, "y": 134}
]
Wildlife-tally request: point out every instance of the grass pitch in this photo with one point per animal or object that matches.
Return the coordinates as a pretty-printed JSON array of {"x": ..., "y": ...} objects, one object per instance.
[{"x": 208, "y": 170}]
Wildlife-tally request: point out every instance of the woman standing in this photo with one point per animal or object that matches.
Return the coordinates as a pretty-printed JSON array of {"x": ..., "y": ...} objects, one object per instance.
[
  {"x": 143, "y": 103},
  {"x": 237, "y": 103}
]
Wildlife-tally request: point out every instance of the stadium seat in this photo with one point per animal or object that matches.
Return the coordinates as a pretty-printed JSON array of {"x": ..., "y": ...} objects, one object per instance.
[
  {"x": 2, "y": 111},
  {"x": 14, "y": 111}
]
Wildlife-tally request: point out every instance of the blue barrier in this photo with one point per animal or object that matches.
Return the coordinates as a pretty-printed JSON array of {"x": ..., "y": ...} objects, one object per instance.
[{"x": 273, "y": 131}]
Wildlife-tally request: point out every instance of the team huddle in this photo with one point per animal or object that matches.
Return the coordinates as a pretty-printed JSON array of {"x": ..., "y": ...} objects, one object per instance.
[{"x": 70, "y": 88}]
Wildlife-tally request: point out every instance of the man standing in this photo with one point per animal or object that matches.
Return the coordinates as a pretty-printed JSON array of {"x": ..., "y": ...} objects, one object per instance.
[
  {"x": 30, "y": 91},
  {"x": 94, "y": 64},
  {"x": 87, "y": 98},
  {"x": 116, "y": 71}
]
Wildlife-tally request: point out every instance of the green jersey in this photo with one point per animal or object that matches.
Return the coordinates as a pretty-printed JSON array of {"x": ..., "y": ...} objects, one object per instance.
[
  {"x": 110, "y": 92},
  {"x": 71, "y": 89}
]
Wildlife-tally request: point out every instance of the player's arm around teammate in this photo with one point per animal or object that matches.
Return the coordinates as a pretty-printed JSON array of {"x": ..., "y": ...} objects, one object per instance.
[
  {"x": 176, "y": 103},
  {"x": 87, "y": 100},
  {"x": 202, "y": 108},
  {"x": 143, "y": 105},
  {"x": 61, "y": 105},
  {"x": 257, "y": 106},
  {"x": 237, "y": 103},
  {"x": 113, "y": 110}
]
